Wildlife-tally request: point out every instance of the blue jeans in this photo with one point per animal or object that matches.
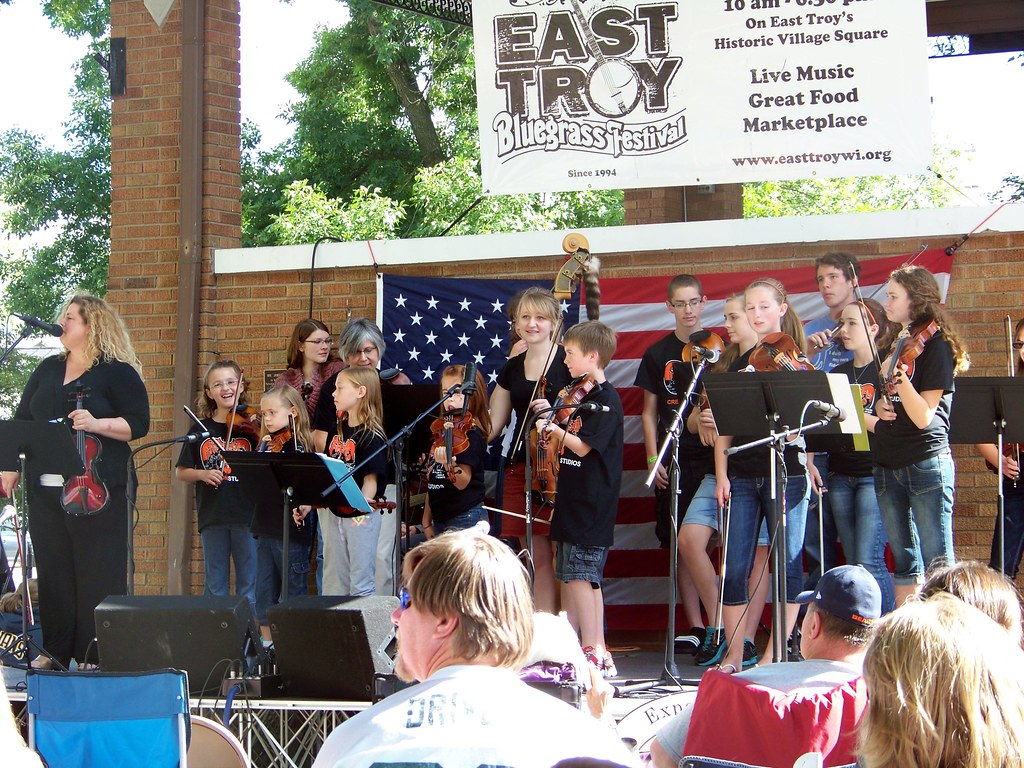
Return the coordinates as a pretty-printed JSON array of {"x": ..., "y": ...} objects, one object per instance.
[
  {"x": 355, "y": 557},
  {"x": 1013, "y": 512},
  {"x": 917, "y": 508},
  {"x": 268, "y": 572},
  {"x": 859, "y": 523},
  {"x": 819, "y": 562},
  {"x": 462, "y": 521},
  {"x": 222, "y": 544},
  {"x": 751, "y": 502}
]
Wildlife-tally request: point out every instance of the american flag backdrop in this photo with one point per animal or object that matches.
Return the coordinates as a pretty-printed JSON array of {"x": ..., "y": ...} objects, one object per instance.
[{"x": 431, "y": 322}]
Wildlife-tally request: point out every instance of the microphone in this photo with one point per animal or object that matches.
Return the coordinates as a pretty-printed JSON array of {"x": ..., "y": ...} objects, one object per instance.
[
  {"x": 192, "y": 437},
  {"x": 51, "y": 328},
  {"x": 469, "y": 380},
  {"x": 711, "y": 355},
  {"x": 828, "y": 410},
  {"x": 593, "y": 407}
]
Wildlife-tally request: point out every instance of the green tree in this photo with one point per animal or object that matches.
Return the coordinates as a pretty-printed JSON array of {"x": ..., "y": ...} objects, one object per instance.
[
  {"x": 63, "y": 195},
  {"x": 857, "y": 194}
]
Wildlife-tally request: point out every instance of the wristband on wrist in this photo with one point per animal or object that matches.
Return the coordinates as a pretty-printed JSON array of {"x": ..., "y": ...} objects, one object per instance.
[{"x": 651, "y": 460}]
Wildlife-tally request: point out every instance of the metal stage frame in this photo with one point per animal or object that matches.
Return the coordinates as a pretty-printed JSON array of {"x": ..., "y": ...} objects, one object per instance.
[{"x": 280, "y": 733}]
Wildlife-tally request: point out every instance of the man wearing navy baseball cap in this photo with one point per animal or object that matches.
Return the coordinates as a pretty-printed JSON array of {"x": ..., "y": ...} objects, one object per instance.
[
  {"x": 840, "y": 612},
  {"x": 835, "y": 633}
]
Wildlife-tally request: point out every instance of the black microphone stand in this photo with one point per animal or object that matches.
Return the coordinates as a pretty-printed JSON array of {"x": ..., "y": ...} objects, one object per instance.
[
  {"x": 777, "y": 539},
  {"x": 671, "y": 439}
]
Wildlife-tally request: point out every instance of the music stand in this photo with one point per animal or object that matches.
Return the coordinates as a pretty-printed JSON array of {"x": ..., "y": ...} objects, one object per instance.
[
  {"x": 295, "y": 478},
  {"x": 989, "y": 409},
  {"x": 48, "y": 448},
  {"x": 404, "y": 404},
  {"x": 772, "y": 404}
]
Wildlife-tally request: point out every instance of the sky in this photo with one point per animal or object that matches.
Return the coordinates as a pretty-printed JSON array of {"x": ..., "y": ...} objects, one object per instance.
[{"x": 966, "y": 112}]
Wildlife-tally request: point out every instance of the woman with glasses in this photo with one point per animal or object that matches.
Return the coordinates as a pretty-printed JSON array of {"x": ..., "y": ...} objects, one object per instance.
[
  {"x": 311, "y": 361},
  {"x": 1013, "y": 484}
]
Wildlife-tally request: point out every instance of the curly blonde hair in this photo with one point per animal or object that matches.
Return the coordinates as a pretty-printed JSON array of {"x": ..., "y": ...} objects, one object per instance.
[
  {"x": 946, "y": 687},
  {"x": 108, "y": 337}
]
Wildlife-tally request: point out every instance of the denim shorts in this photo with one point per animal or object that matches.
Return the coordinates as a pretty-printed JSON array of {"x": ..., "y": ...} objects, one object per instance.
[
  {"x": 703, "y": 510},
  {"x": 580, "y": 562}
]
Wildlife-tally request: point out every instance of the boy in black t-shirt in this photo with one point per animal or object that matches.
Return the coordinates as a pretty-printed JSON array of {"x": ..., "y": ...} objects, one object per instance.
[
  {"x": 665, "y": 378},
  {"x": 589, "y": 478}
]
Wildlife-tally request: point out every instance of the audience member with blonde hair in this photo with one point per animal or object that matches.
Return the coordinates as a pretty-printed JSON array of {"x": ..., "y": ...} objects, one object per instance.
[
  {"x": 976, "y": 584},
  {"x": 946, "y": 690}
]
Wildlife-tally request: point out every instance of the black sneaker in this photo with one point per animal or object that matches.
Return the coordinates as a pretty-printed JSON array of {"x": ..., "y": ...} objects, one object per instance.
[
  {"x": 750, "y": 656},
  {"x": 711, "y": 650},
  {"x": 689, "y": 641}
]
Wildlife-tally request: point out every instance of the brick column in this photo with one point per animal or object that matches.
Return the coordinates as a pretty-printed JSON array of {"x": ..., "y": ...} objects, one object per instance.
[
  {"x": 147, "y": 250},
  {"x": 662, "y": 205}
]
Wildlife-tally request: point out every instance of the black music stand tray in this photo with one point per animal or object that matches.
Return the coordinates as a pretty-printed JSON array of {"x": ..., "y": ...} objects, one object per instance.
[
  {"x": 989, "y": 409},
  {"x": 48, "y": 448},
  {"x": 294, "y": 478},
  {"x": 770, "y": 405}
]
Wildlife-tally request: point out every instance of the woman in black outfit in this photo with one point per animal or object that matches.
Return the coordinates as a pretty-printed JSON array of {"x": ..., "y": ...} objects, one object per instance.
[{"x": 82, "y": 558}]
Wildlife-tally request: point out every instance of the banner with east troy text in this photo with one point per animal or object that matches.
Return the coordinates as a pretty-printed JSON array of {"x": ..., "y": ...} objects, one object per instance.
[{"x": 618, "y": 94}]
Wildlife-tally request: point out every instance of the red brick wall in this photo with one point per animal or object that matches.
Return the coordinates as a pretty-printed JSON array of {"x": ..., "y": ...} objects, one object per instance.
[{"x": 660, "y": 205}]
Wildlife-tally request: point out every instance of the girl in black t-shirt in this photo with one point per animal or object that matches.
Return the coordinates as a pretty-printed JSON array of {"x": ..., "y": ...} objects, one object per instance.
[
  {"x": 455, "y": 484},
  {"x": 223, "y": 507},
  {"x": 851, "y": 484},
  {"x": 538, "y": 316},
  {"x": 285, "y": 430},
  {"x": 914, "y": 470},
  {"x": 359, "y": 434},
  {"x": 743, "y": 484}
]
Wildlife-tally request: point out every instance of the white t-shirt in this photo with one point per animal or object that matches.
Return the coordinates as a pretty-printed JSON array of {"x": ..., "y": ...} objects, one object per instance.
[{"x": 470, "y": 716}]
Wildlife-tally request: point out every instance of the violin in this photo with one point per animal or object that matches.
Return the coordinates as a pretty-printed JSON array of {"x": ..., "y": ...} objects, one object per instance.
[
  {"x": 451, "y": 432},
  {"x": 571, "y": 396},
  {"x": 245, "y": 420},
  {"x": 85, "y": 494},
  {"x": 704, "y": 340},
  {"x": 909, "y": 346},
  {"x": 545, "y": 461},
  {"x": 545, "y": 475},
  {"x": 779, "y": 352},
  {"x": 277, "y": 442}
]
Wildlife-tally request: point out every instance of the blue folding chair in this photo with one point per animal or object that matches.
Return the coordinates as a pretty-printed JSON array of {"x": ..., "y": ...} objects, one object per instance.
[{"x": 78, "y": 720}]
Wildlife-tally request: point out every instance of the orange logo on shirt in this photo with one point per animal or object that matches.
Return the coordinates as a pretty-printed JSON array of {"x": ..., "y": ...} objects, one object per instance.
[
  {"x": 574, "y": 426},
  {"x": 867, "y": 396},
  {"x": 210, "y": 448},
  {"x": 669, "y": 376},
  {"x": 342, "y": 449}
]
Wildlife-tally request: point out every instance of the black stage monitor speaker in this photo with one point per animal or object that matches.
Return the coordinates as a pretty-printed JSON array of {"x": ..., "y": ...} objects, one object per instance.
[
  {"x": 331, "y": 647},
  {"x": 204, "y": 635}
]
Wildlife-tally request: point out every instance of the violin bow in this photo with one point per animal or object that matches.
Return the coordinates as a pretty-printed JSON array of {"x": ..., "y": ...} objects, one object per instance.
[{"x": 234, "y": 406}]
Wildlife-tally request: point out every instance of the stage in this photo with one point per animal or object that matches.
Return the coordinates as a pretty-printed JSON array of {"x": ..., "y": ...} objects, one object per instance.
[{"x": 288, "y": 733}]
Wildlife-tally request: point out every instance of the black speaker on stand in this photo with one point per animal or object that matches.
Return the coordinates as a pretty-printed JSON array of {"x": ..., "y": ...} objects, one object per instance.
[
  {"x": 332, "y": 647},
  {"x": 205, "y": 636}
]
